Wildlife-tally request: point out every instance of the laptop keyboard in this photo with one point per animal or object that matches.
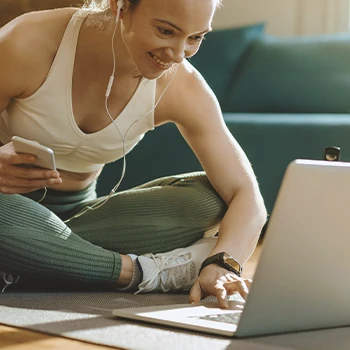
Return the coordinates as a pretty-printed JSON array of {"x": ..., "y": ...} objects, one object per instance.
[
  {"x": 233, "y": 297},
  {"x": 231, "y": 318}
]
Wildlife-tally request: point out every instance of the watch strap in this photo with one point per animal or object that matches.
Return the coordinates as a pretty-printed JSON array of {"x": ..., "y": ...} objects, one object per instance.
[{"x": 218, "y": 259}]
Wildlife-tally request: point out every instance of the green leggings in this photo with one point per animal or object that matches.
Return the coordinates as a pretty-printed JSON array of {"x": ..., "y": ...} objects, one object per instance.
[{"x": 159, "y": 216}]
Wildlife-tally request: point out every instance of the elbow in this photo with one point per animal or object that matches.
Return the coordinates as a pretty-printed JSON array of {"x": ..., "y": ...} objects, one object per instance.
[
  {"x": 257, "y": 207},
  {"x": 262, "y": 213}
]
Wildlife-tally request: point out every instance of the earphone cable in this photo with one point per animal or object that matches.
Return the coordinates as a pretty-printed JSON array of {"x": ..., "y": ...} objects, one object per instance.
[{"x": 100, "y": 203}]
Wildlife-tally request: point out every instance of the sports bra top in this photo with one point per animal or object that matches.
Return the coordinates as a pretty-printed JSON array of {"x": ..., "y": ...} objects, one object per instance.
[{"x": 47, "y": 115}]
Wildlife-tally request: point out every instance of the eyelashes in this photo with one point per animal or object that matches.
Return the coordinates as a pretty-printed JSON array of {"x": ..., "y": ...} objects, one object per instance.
[{"x": 168, "y": 32}]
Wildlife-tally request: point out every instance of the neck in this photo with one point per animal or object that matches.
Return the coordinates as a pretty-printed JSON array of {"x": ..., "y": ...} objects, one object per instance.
[
  {"x": 97, "y": 36},
  {"x": 124, "y": 64}
]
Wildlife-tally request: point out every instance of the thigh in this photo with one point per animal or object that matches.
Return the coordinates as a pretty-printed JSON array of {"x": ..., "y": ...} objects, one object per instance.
[
  {"x": 34, "y": 242},
  {"x": 158, "y": 216},
  {"x": 21, "y": 214}
]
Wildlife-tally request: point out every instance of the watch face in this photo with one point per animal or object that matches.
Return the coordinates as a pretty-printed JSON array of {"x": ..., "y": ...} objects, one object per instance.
[{"x": 231, "y": 262}]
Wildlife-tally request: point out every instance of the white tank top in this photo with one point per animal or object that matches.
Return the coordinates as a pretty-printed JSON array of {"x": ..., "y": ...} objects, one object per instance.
[{"x": 47, "y": 115}]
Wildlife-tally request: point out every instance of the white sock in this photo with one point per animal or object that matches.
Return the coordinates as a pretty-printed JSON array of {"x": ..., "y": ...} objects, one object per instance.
[{"x": 136, "y": 275}]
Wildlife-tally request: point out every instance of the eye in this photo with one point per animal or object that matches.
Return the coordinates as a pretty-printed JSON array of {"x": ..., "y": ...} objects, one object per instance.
[
  {"x": 197, "y": 38},
  {"x": 165, "y": 31}
]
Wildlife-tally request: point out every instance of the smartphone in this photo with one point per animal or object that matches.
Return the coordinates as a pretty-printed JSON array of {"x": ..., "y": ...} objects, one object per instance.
[{"x": 44, "y": 155}]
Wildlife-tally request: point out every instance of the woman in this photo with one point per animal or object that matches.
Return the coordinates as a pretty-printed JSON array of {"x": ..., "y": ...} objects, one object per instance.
[{"x": 89, "y": 84}]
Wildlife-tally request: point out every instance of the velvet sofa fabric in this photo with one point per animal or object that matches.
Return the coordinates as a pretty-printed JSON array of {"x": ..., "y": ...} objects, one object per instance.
[
  {"x": 295, "y": 75},
  {"x": 221, "y": 54}
]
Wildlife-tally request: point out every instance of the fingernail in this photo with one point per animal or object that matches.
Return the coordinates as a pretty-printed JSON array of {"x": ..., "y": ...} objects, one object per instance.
[{"x": 54, "y": 181}]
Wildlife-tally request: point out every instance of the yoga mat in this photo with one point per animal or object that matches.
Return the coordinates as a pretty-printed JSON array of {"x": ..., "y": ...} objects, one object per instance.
[{"x": 87, "y": 316}]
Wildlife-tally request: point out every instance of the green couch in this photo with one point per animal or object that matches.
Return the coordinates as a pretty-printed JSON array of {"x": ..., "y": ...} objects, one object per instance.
[{"x": 282, "y": 99}]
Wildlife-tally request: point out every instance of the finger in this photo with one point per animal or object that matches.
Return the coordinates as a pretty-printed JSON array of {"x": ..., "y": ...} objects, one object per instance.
[
  {"x": 221, "y": 296},
  {"x": 195, "y": 293},
  {"x": 33, "y": 182},
  {"x": 248, "y": 282},
  {"x": 34, "y": 173},
  {"x": 37, "y": 182},
  {"x": 242, "y": 288},
  {"x": 231, "y": 278},
  {"x": 21, "y": 158},
  {"x": 230, "y": 288},
  {"x": 17, "y": 185}
]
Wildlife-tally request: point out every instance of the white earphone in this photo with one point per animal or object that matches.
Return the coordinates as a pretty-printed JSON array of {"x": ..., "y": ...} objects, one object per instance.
[
  {"x": 120, "y": 5},
  {"x": 99, "y": 204}
]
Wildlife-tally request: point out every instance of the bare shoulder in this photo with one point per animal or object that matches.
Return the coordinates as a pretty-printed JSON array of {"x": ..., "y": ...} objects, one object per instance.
[
  {"x": 188, "y": 76},
  {"x": 36, "y": 30},
  {"x": 188, "y": 96},
  {"x": 30, "y": 42},
  {"x": 37, "y": 25}
]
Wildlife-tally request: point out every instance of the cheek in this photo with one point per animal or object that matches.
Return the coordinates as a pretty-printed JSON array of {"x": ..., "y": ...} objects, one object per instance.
[{"x": 143, "y": 42}]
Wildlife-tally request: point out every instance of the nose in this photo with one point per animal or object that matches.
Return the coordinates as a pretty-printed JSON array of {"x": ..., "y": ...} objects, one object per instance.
[
  {"x": 177, "y": 52},
  {"x": 174, "y": 55}
]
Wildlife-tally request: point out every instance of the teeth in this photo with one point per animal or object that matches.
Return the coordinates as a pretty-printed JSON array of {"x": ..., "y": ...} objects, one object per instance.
[{"x": 160, "y": 62}]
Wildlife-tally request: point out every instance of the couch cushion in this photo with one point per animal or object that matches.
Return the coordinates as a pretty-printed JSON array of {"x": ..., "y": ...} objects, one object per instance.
[
  {"x": 220, "y": 54},
  {"x": 272, "y": 141},
  {"x": 296, "y": 75}
]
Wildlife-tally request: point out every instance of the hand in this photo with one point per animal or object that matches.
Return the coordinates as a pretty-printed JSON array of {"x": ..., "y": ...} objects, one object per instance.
[
  {"x": 17, "y": 179},
  {"x": 217, "y": 281}
]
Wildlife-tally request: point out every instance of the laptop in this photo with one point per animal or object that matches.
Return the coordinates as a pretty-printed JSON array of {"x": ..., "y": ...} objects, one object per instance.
[{"x": 302, "y": 280}]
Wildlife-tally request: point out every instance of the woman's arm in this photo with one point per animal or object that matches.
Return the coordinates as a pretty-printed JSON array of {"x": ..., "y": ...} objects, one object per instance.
[
  {"x": 13, "y": 73},
  {"x": 21, "y": 62},
  {"x": 28, "y": 45},
  {"x": 197, "y": 114}
]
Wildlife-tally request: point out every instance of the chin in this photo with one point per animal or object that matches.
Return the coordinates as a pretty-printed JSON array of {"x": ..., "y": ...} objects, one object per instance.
[
  {"x": 152, "y": 74},
  {"x": 149, "y": 69}
]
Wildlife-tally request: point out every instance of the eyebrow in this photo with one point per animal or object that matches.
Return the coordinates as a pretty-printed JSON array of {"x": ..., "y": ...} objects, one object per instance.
[{"x": 178, "y": 28}]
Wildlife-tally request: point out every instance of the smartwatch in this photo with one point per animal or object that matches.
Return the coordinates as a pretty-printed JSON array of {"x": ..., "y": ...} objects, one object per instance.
[{"x": 224, "y": 260}]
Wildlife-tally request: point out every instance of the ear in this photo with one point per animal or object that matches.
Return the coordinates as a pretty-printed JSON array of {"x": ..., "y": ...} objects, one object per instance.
[{"x": 114, "y": 4}]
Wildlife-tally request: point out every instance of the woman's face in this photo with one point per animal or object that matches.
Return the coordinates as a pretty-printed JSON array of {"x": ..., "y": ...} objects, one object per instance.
[{"x": 160, "y": 33}]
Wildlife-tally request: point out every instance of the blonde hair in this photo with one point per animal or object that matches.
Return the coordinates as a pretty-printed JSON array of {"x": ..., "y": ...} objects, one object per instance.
[
  {"x": 96, "y": 5},
  {"x": 103, "y": 5}
]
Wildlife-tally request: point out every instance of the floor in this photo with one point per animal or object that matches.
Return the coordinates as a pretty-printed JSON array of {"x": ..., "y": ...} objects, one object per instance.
[{"x": 20, "y": 339}]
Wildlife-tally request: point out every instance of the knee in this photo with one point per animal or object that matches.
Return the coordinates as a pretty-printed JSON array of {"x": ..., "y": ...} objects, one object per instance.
[{"x": 204, "y": 195}]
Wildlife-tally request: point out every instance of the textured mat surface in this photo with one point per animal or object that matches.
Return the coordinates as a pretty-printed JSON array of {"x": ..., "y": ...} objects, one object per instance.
[{"x": 87, "y": 316}]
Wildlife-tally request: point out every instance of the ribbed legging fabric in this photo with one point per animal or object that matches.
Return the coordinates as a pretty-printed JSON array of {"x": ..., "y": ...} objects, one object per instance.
[{"x": 159, "y": 216}]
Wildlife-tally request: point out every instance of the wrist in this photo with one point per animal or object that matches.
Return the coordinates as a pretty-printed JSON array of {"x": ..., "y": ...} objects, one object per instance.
[{"x": 224, "y": 260}]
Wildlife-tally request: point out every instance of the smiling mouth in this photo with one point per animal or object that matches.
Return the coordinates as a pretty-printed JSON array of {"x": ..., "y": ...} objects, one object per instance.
[{"x": 160, "y": 62}]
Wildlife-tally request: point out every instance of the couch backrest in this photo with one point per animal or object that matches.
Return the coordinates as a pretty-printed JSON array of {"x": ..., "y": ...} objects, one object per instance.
[
  {"x": 221, "y": 53},
  {"x": 296, "y": 75}
]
